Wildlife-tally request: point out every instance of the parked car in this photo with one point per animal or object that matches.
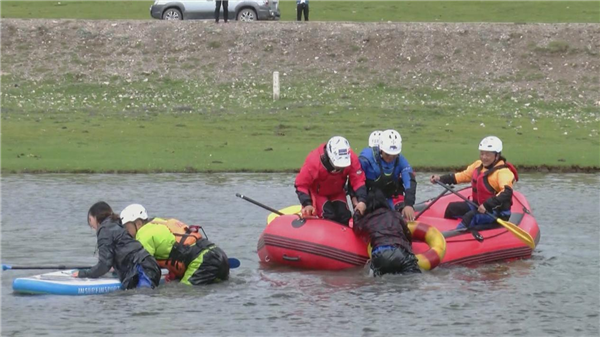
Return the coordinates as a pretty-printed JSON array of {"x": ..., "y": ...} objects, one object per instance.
[{"x": 241, "y": 10}]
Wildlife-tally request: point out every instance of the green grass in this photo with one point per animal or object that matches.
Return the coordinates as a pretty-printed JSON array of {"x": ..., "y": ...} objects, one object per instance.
[
  {"x": 409, "y": 11},
  {"x": 157, "y": 126},
  {"x": 70, "y": 123},
  {"x": 450, "y": 11}
]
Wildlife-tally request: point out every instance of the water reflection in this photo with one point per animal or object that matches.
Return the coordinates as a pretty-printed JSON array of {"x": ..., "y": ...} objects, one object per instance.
[{"x": 556, "y": 292}]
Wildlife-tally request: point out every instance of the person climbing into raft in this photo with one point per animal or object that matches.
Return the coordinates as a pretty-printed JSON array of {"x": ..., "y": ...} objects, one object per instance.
[
  {"x": 117, "y": 249},
  {"x": 492, "y": 178},
  {"x": 389, "y": 236},
  {"x": 320, "y": 183},
  {"x": 181, "y": 249}
]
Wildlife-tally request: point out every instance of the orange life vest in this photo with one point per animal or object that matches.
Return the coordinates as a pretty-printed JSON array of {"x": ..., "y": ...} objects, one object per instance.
[
  {"x": 185, "y": 235},
  {"x": 481, "y": 188}
]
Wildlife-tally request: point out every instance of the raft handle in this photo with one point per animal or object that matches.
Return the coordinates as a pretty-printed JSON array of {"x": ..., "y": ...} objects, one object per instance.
[{"x": 291, "y": 258}]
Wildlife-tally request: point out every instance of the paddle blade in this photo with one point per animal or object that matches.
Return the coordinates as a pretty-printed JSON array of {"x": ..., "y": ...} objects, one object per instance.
[
  {"x": 234, "y": 263},
  {"x": 6, "y": 267},
  {"x": 518, "y": 232}
]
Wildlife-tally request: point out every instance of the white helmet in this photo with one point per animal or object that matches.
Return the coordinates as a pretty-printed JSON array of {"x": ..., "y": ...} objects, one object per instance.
[
  {"x": 491, "y": 143},
  {"x": 391, "y": 142},
  {"x": 338, "y": 150},
  {"x": 375, "y": 138},
  {"x": 133, "y": 212}
]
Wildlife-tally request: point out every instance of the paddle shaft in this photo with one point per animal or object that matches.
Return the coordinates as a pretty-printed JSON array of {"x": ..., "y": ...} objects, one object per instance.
[
  {"x": 514, "y": 229},
  {"x": 465, "y": 199},
  {"x": 258, "y": 204},
  {"x": 60, "y": 267},
  {"x": 430, "y": 204},
  {"x": 473, "y": 231}
]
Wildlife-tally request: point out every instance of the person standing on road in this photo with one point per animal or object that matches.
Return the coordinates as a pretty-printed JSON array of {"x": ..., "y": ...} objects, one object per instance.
[
  {"x": 301, "y": 6},
  {"x": 218, "y": 10}
]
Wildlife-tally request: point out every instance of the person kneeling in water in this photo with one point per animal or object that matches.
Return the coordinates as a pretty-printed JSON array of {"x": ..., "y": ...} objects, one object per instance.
[
  {"x": 194, "y": 264},
  {"x": 388, "y": 235},
  {"x": 116, "y": 248}
]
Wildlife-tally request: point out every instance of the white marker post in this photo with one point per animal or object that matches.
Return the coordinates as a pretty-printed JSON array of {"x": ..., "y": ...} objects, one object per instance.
[{"x": 275, "y": 85}]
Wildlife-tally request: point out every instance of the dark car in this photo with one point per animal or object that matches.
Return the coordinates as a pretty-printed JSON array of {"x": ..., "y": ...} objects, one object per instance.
[{"x": 248, "y": 10}]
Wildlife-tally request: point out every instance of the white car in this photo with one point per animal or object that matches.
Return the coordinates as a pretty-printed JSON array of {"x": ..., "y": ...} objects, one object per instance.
[{"x": 244, "y": 10}]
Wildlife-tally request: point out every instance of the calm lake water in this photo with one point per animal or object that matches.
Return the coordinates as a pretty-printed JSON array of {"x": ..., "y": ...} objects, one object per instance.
[{"x": 555, "y": 293}]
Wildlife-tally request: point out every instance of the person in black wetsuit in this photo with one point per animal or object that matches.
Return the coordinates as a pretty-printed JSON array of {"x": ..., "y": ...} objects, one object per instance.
[{"x": 116, "y": 248}]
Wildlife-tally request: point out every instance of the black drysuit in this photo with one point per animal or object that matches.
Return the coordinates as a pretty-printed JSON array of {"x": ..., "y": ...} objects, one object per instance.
[{"x": 116, "y": 248}]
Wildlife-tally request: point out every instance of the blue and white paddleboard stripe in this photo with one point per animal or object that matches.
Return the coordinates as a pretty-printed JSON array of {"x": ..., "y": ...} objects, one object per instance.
[{"x": 62, "y": 283}]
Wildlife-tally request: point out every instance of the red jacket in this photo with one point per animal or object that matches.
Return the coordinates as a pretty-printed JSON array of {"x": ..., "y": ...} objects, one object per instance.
[{"x": 315, "y": 177}]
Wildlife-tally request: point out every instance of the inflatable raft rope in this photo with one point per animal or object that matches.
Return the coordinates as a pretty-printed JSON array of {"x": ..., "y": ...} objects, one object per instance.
[{"x": 420, "y": 232}]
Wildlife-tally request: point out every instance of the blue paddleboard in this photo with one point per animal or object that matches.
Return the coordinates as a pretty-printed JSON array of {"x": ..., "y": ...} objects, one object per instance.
[{"x": 62, "y": 283}]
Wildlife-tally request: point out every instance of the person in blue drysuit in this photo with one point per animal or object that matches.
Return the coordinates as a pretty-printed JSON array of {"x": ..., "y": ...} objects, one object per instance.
[{"x": 387, "y": 170}]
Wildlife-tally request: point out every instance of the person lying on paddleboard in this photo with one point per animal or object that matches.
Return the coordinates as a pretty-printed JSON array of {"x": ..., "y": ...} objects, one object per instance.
[
  {"x": 387, "y": 170},
  {"x": 181, "y": 249},
  {"x": 320, "y": 183},
  {"x": 491, "y": 178},
  {"x": 116, "y": 248},
  {"x": 389, "y": 236}
]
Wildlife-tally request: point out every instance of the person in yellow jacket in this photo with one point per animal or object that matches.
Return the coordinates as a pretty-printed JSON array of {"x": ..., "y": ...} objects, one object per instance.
[
  {"x": 188, "y": 256},
  {"x": 491, "y": 180}
]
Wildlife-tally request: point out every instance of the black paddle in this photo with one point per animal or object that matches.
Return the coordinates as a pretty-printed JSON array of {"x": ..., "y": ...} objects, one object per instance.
[
  {"x": 296, "y": 223},
  {"x": 431, "y": 204},
  {"x": 258, "y": 204},
  {"x": 59, "y": 267},
  {"x": 514, "y": 229},
  {"x": 473, "y": 231}
]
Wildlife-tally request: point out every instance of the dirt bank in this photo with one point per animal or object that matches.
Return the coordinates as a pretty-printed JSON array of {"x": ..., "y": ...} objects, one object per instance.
[
  {"x": 550, "y": 60},
  {"x": 553, "y": 67}
]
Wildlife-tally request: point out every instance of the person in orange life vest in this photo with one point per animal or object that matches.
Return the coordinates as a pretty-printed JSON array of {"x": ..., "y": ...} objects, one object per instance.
[
  {"x": 491, "y": 179},
  {"x": 320, "y": 183}
]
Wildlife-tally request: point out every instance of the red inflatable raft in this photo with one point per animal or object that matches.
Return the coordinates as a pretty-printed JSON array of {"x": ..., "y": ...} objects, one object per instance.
[
  {"x": 323, "y": 244},
  {"x": 499, "y": 244},
  {"x": 311, "y": 244}
]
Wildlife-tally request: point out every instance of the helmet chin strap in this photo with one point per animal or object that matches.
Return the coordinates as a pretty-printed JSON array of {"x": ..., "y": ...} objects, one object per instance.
[
  {"x": 135, "y": 226},
  {"x": 326, "y": 161}
]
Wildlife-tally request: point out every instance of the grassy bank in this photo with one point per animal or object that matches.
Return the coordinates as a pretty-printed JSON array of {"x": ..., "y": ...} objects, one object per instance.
[
  {"x": 176, "y": 126},
  {"x": 105, "y": 96},
  {"x": 359, "y": 11}
]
